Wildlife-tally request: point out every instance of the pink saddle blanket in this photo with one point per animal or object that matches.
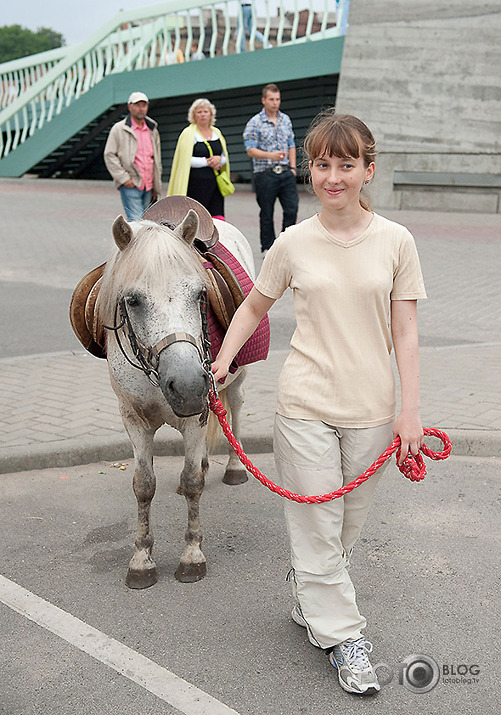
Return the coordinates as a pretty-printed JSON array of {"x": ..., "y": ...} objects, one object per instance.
[{"x": 257, "y": 346}]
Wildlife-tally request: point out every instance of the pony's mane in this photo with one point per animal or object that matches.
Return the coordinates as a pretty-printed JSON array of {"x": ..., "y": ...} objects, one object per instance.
[{"x": 154, "y": 257}]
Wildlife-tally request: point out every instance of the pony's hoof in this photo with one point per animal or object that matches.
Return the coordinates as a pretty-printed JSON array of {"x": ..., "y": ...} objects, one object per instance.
[
  {"x": 190, "y": 573},
  {"x": 235, "y": 476},
  {"x": 141, "y": 579}
]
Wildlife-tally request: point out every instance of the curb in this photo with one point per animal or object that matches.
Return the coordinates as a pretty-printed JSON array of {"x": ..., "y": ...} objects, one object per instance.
[{"x": 71, "y": 452}]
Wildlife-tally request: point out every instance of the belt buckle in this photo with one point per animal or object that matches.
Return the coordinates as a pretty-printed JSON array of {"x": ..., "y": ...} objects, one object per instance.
[{"x": 278, "y": 169}]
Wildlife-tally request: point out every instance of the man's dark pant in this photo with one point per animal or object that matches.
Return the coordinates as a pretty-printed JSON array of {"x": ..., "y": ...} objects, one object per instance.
[{"x": 270, "y": 187}]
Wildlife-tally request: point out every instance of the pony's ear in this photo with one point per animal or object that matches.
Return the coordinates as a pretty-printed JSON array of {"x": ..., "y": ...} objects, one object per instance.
[
  {"x": 122, "y": 232},
  {"x": 187, "y": 229}
]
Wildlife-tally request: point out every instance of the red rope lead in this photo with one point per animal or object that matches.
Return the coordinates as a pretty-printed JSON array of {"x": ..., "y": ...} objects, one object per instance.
[{"x": 413, "y": 467}]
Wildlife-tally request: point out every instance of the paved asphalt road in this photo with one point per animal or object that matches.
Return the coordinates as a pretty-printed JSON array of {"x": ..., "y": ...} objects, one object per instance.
[{"x": 424, "y": 571}]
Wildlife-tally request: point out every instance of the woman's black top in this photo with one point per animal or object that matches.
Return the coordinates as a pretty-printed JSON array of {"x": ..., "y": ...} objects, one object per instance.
[{"x": 202, "y": 185}]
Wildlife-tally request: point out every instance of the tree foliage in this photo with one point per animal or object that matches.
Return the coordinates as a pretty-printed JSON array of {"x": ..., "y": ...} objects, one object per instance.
[{"x": 17, "y": 41}]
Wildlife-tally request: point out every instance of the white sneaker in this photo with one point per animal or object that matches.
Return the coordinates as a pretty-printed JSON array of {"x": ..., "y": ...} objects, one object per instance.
[{"x": 354, "y": 670}]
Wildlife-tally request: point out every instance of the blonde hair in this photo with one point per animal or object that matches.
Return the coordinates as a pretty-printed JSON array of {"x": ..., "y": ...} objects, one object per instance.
[
  {"x": 332, "y": 134},
  {"x": 201, "y": 102}
]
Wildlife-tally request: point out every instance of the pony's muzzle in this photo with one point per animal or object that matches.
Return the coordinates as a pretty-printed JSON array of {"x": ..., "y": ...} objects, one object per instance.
[
  {"x": 185, "y": 403},
  {"x": 183, "y": 380}
]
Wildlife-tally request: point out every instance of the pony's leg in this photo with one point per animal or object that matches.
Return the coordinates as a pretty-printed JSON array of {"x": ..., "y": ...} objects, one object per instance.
[
  {"x": 142, "y": 571},
  {"x": 192, "y": 566},
  {"x": 235, "y": 471}
]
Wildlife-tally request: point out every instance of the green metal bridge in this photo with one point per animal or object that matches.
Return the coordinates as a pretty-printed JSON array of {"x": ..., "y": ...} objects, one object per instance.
[{"x": 56, "y": 108}]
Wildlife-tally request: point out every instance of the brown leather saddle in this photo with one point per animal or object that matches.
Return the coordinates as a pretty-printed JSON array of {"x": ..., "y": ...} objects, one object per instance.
[{"x": 224, "y": 290}]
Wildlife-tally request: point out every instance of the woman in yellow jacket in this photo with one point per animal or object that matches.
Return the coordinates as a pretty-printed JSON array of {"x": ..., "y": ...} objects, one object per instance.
[{"x": 200, "y": 152}]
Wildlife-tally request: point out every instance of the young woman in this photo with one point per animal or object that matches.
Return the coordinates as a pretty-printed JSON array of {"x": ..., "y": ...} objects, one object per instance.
[
  {"x": 194, "y": 162},
  {"x": 356, "y": 278}
]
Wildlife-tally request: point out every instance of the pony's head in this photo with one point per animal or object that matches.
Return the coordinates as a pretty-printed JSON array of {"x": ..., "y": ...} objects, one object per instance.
[{"x": 158, "y": 282}]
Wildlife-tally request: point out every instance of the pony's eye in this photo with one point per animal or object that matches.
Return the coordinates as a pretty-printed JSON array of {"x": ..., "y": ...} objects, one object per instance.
[{"x": 132, "y": 301}]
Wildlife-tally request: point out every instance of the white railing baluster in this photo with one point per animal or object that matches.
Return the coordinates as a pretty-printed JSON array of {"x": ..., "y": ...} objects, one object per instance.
[
  {"x": 9, "y": 138},
  {"x": 295, "y": 22},
  {"x": 252, "y": 38},
  {"x": 213, "y": 38},
  {"x": 43, "y": 107},
  {"x": 85, "y": 76},
  {"x": 168, "y": 54},
  {"x": 26, "y": 125},
  {"x": 25, "y": 80},
  {"x": 227, "y": 30},
  {"x": 80, "y": 77},
  {"x": 309, "y": 23},
  {"x": 93, "y": 68},
  {"x": 99, "y": 63},
  {"x": 240, "y": 29},
  {"x": 281, "y": 23},
  {"x": 163, "y": 44},
  {"x": 17, "y": 132},
  {"x": 189, "y": 39},
  {"x": 153, "y": 50},
  {"x": 33, "y": 125},
  {"x": 17, "y": 80},
  {"x": 72, "y": 83},
  {"x": 114, "y": 56},
  {"x": 60, "y": 95},
  {"x": 118, "y": 52},
  {"x": 67, "y": 88},
  {"x": 267, "y": 26},
  {"x": 6, "y": 82},
  {"x": 201, "y": 38},
  {"x": 53, "y": 94},
  {"x": 325, "y": 15}
]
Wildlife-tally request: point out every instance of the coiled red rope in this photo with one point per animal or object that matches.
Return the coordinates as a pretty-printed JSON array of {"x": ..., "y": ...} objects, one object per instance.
[{"x": 413, "y": 467}]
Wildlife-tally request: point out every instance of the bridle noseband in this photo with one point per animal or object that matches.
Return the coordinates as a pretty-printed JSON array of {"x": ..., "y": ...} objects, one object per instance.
[{"x": 148, "y": 357}]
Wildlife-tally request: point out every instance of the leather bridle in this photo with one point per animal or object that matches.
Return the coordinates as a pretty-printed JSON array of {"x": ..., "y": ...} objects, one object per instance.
[{"x": 148, "y": 357}]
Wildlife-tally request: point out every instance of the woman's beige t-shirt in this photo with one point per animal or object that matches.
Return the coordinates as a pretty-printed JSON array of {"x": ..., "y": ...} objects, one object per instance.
[{"x": 339, "y": 370}]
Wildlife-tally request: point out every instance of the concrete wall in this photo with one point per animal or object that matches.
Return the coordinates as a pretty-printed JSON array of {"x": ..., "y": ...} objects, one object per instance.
[{"x": 426, "y": 77}]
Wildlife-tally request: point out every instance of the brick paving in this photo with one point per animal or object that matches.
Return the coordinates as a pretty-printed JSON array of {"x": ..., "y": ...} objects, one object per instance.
[{"x": 58, "y": 409}]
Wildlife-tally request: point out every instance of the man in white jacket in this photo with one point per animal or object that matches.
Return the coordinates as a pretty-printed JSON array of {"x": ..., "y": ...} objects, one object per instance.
[{"x": 133, "y": 157}]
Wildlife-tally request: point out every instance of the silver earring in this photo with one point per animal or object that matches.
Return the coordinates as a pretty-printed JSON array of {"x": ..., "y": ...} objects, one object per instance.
[{"x": 367, "y": 182}]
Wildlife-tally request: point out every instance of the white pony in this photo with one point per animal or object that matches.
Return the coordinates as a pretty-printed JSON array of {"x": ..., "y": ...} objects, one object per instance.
[{"x": 152, "y": 298}]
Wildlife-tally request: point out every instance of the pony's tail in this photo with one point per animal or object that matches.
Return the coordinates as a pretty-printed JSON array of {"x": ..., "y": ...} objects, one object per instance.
[{"x": 215, "y": 435}]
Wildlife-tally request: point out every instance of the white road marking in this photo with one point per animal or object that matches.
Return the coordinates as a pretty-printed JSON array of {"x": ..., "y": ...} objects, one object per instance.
[{"x": 165, "y": 685}]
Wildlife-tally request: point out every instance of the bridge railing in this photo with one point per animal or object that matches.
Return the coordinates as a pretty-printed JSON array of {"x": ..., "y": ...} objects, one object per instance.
[{"x": 35, "y": 89}]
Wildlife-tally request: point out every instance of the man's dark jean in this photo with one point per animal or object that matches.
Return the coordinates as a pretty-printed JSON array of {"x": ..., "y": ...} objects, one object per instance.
[{"x": 270, "y": 187}]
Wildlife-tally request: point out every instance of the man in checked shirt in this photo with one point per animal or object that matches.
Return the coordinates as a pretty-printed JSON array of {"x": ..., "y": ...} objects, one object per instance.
[{"x": 269, "y": 141}]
